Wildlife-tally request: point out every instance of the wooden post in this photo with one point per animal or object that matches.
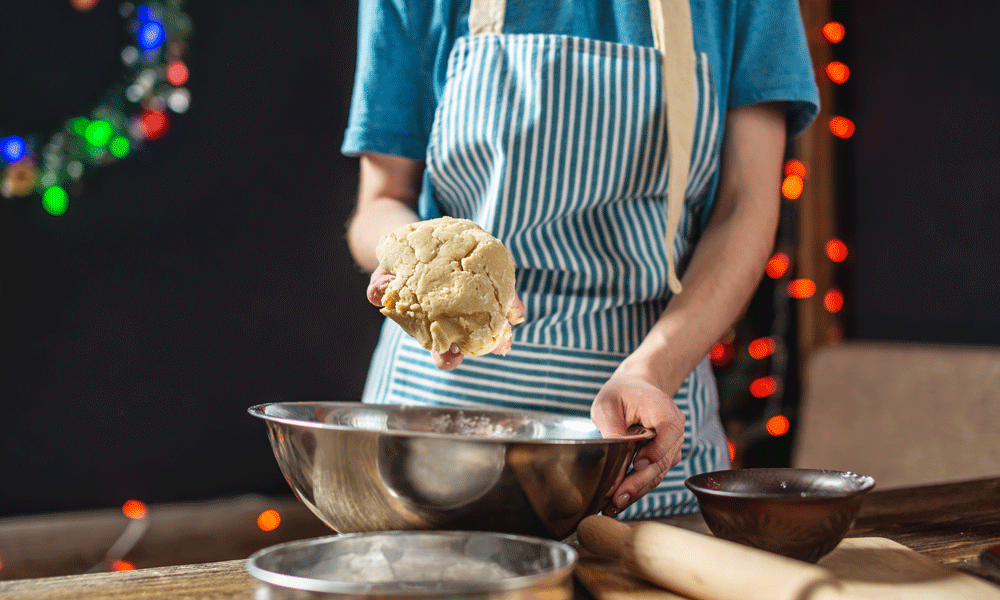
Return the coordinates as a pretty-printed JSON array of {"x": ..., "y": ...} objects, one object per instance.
[{"x": 816, "y": 212}]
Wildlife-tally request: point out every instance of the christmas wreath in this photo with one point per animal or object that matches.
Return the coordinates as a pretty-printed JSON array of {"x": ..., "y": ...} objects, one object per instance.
[{"x": 137, "y": 108}]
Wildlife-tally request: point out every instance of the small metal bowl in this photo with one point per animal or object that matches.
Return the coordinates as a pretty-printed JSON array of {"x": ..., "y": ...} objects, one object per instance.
[
  {"x": 800, "y": 513},
  {"x": 362, "y": 467},
  {"x": 457, "y": 565}
]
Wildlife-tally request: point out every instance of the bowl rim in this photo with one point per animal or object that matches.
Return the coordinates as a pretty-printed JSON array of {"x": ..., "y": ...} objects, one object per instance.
[
  {"x": 867, "y": 483},
  {"x": 636, "y": 433},
  {"x": 310, "y": 584}
]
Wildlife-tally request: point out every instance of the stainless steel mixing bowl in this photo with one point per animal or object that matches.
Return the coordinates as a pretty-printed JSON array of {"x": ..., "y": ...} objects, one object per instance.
[
  {"x": 424, "y": 565},
  {"x": 366, "y": 467}
]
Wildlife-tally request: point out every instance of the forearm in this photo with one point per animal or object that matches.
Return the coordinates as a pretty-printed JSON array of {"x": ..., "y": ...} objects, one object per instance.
[
  {"x": 728, "y": 260},
  {"x": 371, "y": 221},
  {"x": 387, "y": 200}
]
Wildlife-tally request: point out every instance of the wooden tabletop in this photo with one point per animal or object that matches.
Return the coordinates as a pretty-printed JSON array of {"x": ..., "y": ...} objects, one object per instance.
[{"x": 952, "y": 523}]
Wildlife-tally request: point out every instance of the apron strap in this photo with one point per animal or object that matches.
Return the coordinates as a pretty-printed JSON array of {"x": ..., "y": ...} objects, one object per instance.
[{"x": 671, "y": 24}]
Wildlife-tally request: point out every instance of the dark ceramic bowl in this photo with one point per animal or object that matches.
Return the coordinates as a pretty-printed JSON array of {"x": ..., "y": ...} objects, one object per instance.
[{"x": 800, "y": 513}]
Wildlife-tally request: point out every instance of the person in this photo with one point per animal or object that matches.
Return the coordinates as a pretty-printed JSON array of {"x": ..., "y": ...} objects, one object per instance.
[{"x": 554, "y": 125}]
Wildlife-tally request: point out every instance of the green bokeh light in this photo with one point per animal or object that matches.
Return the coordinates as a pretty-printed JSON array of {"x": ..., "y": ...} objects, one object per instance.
[
  {"x": 79, "y": 125},
  {"x": 55, "y": 200},
  {"x": 119, "y": 147},
  {"x": 98, "y": 133}
]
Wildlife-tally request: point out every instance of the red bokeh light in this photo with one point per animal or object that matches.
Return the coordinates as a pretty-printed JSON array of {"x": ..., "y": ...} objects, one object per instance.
[
  {"x": 795, "y": 167},
  {"x": 777, "y": 265},
  {"x": 269, "y": 520},
  {"x": 763, "y": 387},
  {"x": 778, "y": 425},
  {"x": 762, "y": 347},
  {"x": 153, "y": 124},
  {"x": 838, "y": 72},
  {"x": 122, "y": 565},
  {"x": 801, "y": 288},
  {"x": 833, "y": 301},
  {"x": 134, "y": 509},
  {"x": 842, "y": 127},
  {"x": 834, "y": 32},
  {"x": 791, "y": 187},
  {"x": 836, "y": 250},
  {"x": 177, "y": 73}
]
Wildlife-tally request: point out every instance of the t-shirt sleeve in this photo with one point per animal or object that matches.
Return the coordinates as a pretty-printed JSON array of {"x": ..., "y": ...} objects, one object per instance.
[
  {"x": 392, "y": 103},
  {"x": 771, "y": 61}
]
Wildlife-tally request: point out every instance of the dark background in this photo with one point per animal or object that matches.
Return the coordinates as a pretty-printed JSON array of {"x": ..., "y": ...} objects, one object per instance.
[{"x": 209, "y": 272}]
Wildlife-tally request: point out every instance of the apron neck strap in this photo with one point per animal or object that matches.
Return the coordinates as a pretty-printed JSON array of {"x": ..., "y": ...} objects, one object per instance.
[{"x": 671, "y": 24}]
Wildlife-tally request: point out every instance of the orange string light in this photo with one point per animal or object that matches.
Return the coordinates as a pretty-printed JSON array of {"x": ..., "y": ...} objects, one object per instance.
[
  {"x": 842, "y": 127},
  {"x": 836, "y": 250},
  {"x": 134, "y": 509},
  {"x": 801, "y": 288},
  {"x": 122, "y": 565},
  {"x": 269, "y": 520},
  {"x": 778, "y": 425},
  {"x": 763, "y": 387},
  {"x": 833, "y": 301},
  {"x": 791, "y": 187},
  {"x": 838, "y": 72},
  {"x": 834, "y": 32},
  {"x": 762, "y": 348},
  {"x": 777, "y": 265},
  {"x": 795, "y": 167}
]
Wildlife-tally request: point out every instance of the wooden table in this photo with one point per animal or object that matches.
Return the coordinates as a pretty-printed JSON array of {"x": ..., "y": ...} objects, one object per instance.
[{"x": 951, "y": 523}]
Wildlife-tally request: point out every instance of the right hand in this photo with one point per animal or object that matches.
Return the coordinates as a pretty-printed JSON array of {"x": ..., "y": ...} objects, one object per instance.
[{"x": 449, "y": 360}]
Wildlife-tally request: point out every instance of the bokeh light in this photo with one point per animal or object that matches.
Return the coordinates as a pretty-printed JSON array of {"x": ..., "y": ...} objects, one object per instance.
[
  {"x": 837, "y": 71},
  {"x": 134, "y": 509},
  {"x": 801, "y": 288},
  {"x": 791, "y": 187},
  {"x": 122, "y": 565},
  {"x": 842, "y": 127},
  {"x": 762, "y": 347},
  {"x": 834, "y": 32},
  {"x": 177, "y": 73},
  {"x": 13, "y": 148},
  {"x": 151, "y": 35},
  {"x": 777, "y": 265},
  {"x": 721, "y": 354},
  {"x": 732, "y": 450},
  {"x": 795, "y": 167},
  {"x": 833, "y": 301},
  {"x": 98, "y": 132},
  {"x": 153, "y": 124},
  {"x": 120, "y": 147},
  {"x": 778, "y": 425},
  {"x": 763, "y": 387},
  {"x": 836, "y": 250},
  {"x": 55, "y": 200},
  {"x": 269, "y": 520}
]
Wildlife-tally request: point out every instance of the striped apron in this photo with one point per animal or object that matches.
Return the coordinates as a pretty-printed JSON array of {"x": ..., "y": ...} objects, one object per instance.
[{"x": 558, "y": 146}]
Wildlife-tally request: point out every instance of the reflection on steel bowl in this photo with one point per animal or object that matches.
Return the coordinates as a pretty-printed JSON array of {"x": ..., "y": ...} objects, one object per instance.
[
  {"x": 458, "y": 565},
  {"x": 366, "y": 467}
]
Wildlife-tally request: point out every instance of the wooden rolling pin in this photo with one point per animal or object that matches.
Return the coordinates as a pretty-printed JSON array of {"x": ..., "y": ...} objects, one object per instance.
[{"x": 704, "y": 567}]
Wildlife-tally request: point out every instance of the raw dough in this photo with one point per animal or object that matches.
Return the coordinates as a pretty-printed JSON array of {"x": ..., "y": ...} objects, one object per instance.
[{"x": 454, "y": 283}]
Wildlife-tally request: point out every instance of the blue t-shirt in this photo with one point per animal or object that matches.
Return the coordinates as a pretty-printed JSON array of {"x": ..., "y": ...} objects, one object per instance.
[{"x": 757, "y": 50}]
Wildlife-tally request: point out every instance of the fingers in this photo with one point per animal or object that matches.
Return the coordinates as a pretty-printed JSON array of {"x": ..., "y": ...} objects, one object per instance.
[
  {"x": 377, "y": 284},
  {"x": 515, "y": 314},
  {"x": 449, "y": 360},
  {"x": 650, "y": 465}
]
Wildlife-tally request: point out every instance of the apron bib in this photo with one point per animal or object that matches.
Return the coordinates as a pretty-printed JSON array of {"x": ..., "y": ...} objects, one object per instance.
[{"x": 559, "y": 147}]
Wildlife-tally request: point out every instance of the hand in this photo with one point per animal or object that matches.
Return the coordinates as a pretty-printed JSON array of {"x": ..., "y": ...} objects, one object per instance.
[
  {"x": 449, "y": 360},
  {"x": 628, "y": 398}
]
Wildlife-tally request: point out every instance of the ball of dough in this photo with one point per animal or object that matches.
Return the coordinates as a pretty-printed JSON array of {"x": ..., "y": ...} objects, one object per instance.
[{"x": 454, "y": 283}]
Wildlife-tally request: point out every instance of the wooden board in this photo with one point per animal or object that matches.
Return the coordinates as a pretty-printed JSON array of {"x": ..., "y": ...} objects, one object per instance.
[{"x": 868, "y": 567}]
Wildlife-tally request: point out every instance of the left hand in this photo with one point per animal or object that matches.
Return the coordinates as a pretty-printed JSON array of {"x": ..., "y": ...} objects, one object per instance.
[{"x": 627, "y": 398}]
